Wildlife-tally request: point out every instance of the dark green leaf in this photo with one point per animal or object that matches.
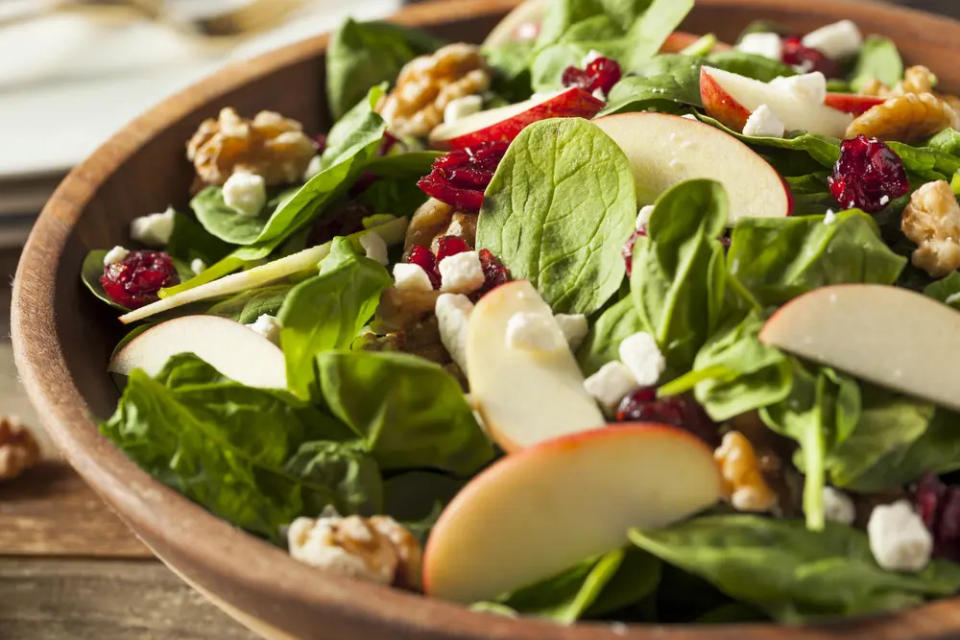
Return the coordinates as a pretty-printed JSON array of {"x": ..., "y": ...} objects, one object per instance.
[
  {"x": 747, "y": 64},
  {"x": 247, "y": 306},
  {"x": 90, "y": 272},
  {"x": 602, "y": 344}
]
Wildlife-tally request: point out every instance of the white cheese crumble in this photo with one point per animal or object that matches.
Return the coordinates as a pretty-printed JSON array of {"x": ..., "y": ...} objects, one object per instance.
[
  {"x": 460, "y": 108},
  {"x": 532, "y": 332},
  {"x": 768, "y": 45},
  {"x": 643, "y": 216},
  {"x": 267, "y": 326},
  {"x": 461, "y": 272},
  {"x": 899, "y": 540},
  {"x": 599, "y": 94},
  {"x": 838, "y": 40},
  {"x": 312, "y": 541},
  {"x": 764, "y": 123},
  {"x": 375, "y": 246},
  {"x": 592, "y": 55},
  {"x": 412, "y": 277},
  {"x": 574, "y": 327},
  {"x": 829, "y": 217},
  {"x": 313, "y": 168},
  {"x": 453, "y": 316},
  {"x": 642, "y": 356},
  {"x": 610, "y": 384},
  {"x": 153, "y": 230},
  {"x": 245, "y": 193},
  {"x": 884, "y": 200},
  {"x": 115, "y": 255},
  {"x": 197, "y": 266},
  {"x": 806, "y": 87},
  {"x": 838, "y": 507}
]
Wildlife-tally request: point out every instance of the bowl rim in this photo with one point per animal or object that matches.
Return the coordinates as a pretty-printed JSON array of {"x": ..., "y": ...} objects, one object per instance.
[{"x": 205, "y": 540}]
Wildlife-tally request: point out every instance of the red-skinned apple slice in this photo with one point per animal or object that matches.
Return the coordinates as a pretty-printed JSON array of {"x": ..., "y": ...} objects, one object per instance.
[
  {"x": 890, "y": 336},
  {"x": 521, "y": 24},
  {"x": 731, "y": 98},
  {"x": 505, "y": 123},
  {"x": 665, "y": 149},
  {"x": 535, "y": 513},
  {"x": 234, "y": 350},
  {"x": 850, "y": 103}
]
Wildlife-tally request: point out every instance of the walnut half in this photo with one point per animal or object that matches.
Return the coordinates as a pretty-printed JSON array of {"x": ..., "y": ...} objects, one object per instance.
[
  {"x": 18, "y": 448},
  {"x": 932, "y": 221}
]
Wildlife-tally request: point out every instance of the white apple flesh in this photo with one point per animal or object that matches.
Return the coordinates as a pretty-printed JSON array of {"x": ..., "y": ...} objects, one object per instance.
[
  {"x": 890, "y": 336},
  {"x": 524, "y": 396},
  {"x": 231, "y": 348},
  {"x": 535, "y": 513},
  {"x": 518, "y": 25},
  {"x": 665, "y": 149},
  {"x": 731, "y": 98}
]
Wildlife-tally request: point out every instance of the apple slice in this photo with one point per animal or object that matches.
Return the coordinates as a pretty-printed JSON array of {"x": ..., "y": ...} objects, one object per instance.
[
  {"x": 890, "y": 336},
  {"x": 731, "y": 98},
  {"x": 505, "y": 123},
  {"x": 665, "y": 149},
  {"x": 524, "y": 396},
  {"x": 231, "y": 348},
  {"x": 520, "y": 25},
  {"x": 853, "y": 104},
  {"x": 535, "y": 513}
]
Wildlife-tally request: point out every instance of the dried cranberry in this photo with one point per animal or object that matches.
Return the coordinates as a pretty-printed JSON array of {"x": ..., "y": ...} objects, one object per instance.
[
  {"x": 389, "y": 140},
  {"x": 868, "y": 175},
  {"x": 422, "y": 257},
  {"x": 939, "y": 506},
  {"x": 494, "y": 273},
  {"x": 808, "y": 59},
  {"x": 680, "y": 411},
  {"x": 627, "y": 251},
  {"x": 460, "y": 177},
  {"x": 320, "y": 142},
  {"x": 450, "y": 245},
  {"x": 135, "y": 280},
  {"x": 601, "y": 73}
]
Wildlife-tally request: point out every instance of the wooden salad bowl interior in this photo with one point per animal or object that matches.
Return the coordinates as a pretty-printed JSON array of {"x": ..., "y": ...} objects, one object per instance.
[{"x": 62, "y": 337}]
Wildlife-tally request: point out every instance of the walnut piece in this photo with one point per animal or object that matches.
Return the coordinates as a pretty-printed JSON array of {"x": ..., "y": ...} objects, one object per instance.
[
  {"x": 378, "y": 549},
  {"x": 18, "y": 448},
  {"x": 426, "y": 85},
  {"x": 932, "y": 221},
  {"x": 743, "y": 474},
  {"x": 906, "y": 118},
  {"x": 269, "y": 145},
  {"x": 434, "y": 219}
]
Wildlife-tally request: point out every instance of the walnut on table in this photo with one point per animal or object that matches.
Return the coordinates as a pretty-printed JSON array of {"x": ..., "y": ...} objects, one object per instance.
[
  {"x": 268, "y": 145},
  {"x": 913, "y": 110},
  {"x": 932, "y": 221},
  {"x": 18, "y": 448}
]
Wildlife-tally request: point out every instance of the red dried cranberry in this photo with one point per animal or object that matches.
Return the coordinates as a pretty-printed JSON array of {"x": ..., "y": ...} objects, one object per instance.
[
  {"x": 320, "y": 142},
  {"x": 494, "y": 273},
  {"x": 135, "y": 280},
  {"x": 450, "y": 245},
  {"x": 807, "y": 58},
  {"x": 627, "y": 251},
  {"x": 460, "y": 177},
  {"x": 389, "y": 140},
  {"x": 422, "y": 257},
  {"x": 939, "y": 507},
  {"x": 680, "y": 411},
  {"x": 601, "y": 73},
  {"x": 868, "y": 175}
]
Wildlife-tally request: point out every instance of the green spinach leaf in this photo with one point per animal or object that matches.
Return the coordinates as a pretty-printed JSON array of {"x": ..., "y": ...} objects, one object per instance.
[
  {"x": 90, "y": 272},
  {"x": 946, "y": 290},
  {"x": 747, "y": 64},
  {"x": 617, "y": 322},
  {"x": 878, "y": 60},
  {"x": 247, "y": 306}
]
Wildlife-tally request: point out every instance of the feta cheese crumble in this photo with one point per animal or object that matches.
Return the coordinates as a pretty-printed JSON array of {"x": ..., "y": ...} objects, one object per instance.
[
  {"x": 899, "y": 540},
  {"x": 115, "y": 255},
  {"x": 829, "y": 217},
  {"x": 838, "y": 40},
  {"x": 807, "y": 87},
  {"x": 245, "y": 193},
  {"x": 453, "y": 316},
  {"x": 609, "y": 385},
  {"x": 838, "y": 507},
  {"x": 412, "y": 277},
  {"x": 592, "y": 55},
  {"x": 460, "y": 108},
  {"x": 640, "y": 353},
  {"x": 574, "y": 327},
  {"x": 267, "y": 326},
  {"x": 531, "y": 332},
  {"x": 764, "y": 123},
  {"x": 197, "y": 266},
  {"x": 643, "y": 217},
  {"x": 375, "y": 246},
  {"x": 461, "y": 273},
  {"x": 153, "y": 230},
  {"x": 768, "y": 45}
]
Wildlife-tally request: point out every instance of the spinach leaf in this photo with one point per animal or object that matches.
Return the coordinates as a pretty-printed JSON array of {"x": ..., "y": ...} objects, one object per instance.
[
  {"x": 417, "y": 498},
  {"x": 328, "y": 310},
  {"x": 748, "y": 64},
  {"x": 790, "y": 572},
  {"x": 878, "y": 60},
  {"x": 661, "y": 91},
  {"x": 409, "y": 411},
  {"x": 409, "y": 164},
  {"x": 399, "y": 196},
  {"x": 247, "y": 306},
  {"x": 257, "y": 458},
  {"x": 364, "y": 54},
  {"x": 678, "y": 283},
  {"x": 947, "y": 141},
  {"x": 780, "y": 258},
  {"x": 602, "y": 344},
  {"x": 557, "y": 211},
  {"x": 90, "y": 272},
  {"x": 511, "y": 64},
  {"x": 811, "y": 194},
  {"x": 824, "y": 150},
  {"x": 223, "y": 221},
  {"x": 946, "y": 290},
  {"x": 927, "y": 163},
  {"x": 190, "y": 241}
]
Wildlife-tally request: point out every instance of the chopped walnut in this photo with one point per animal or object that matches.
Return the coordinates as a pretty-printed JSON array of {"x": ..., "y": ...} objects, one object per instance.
[
  {"x": 18, "y": 448},
  {"x": 742, "y": 474},
  {"x": 426, "y": 85},
  {"x": 463, "y": 225},
  {"x": 932, "y": 221},
  {"x": 905, "y": 118},
  {"x": 269, "y": 145},
  {"x": 428, "y": 221},
  {"x": 377, "y": 549},
  {"x": 401, "y": 308}
]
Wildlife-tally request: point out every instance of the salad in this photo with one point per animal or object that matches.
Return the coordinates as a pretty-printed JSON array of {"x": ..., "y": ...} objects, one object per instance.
[{"x": 598, "y": 320}]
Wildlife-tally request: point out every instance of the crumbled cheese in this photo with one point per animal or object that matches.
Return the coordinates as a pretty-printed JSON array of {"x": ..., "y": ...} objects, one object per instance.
[
  {"x": 532, "y": 332},
  {"x": 768, "y": 45},
  {"x": 245, "y": 193},
  {"x": 643, "y": 217},
  {"x": 899, "y": 540},
  {"x": 375, "y": 246},
  {"x": 453, "y": 316},
  {"x": 829, "y": 217},
  {"x": 574, "y": 327},
  {"x": 313, "y": 168},
  {"x": 267, "y": 326},
  {"x": 884, "y": 200},
  {"x": 807, "y": 87},
  {"x": 838, "y": 507},
  {"x": 460, "y": 108},
  {"x": 411, "y": 276},
  {"x": 838, "y": 40},
  {"x": 599, "y": 94},
  {"x": 640, "y": 353},
  {"x": 592, "y": 55},
  {"x": 764, "y": 123},
  {"x": 610, "y": 384},
  {"x": 461, "y": 272},
  {"x": 312, "y": 541},
  {"x": 153, "y": 230},
  {"x": 115, "y": 255},
  {"x": 197, "y": 265}
]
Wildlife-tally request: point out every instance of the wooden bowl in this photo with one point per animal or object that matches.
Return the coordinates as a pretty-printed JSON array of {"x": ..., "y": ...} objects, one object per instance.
[{"x": 62, "y": 338}]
